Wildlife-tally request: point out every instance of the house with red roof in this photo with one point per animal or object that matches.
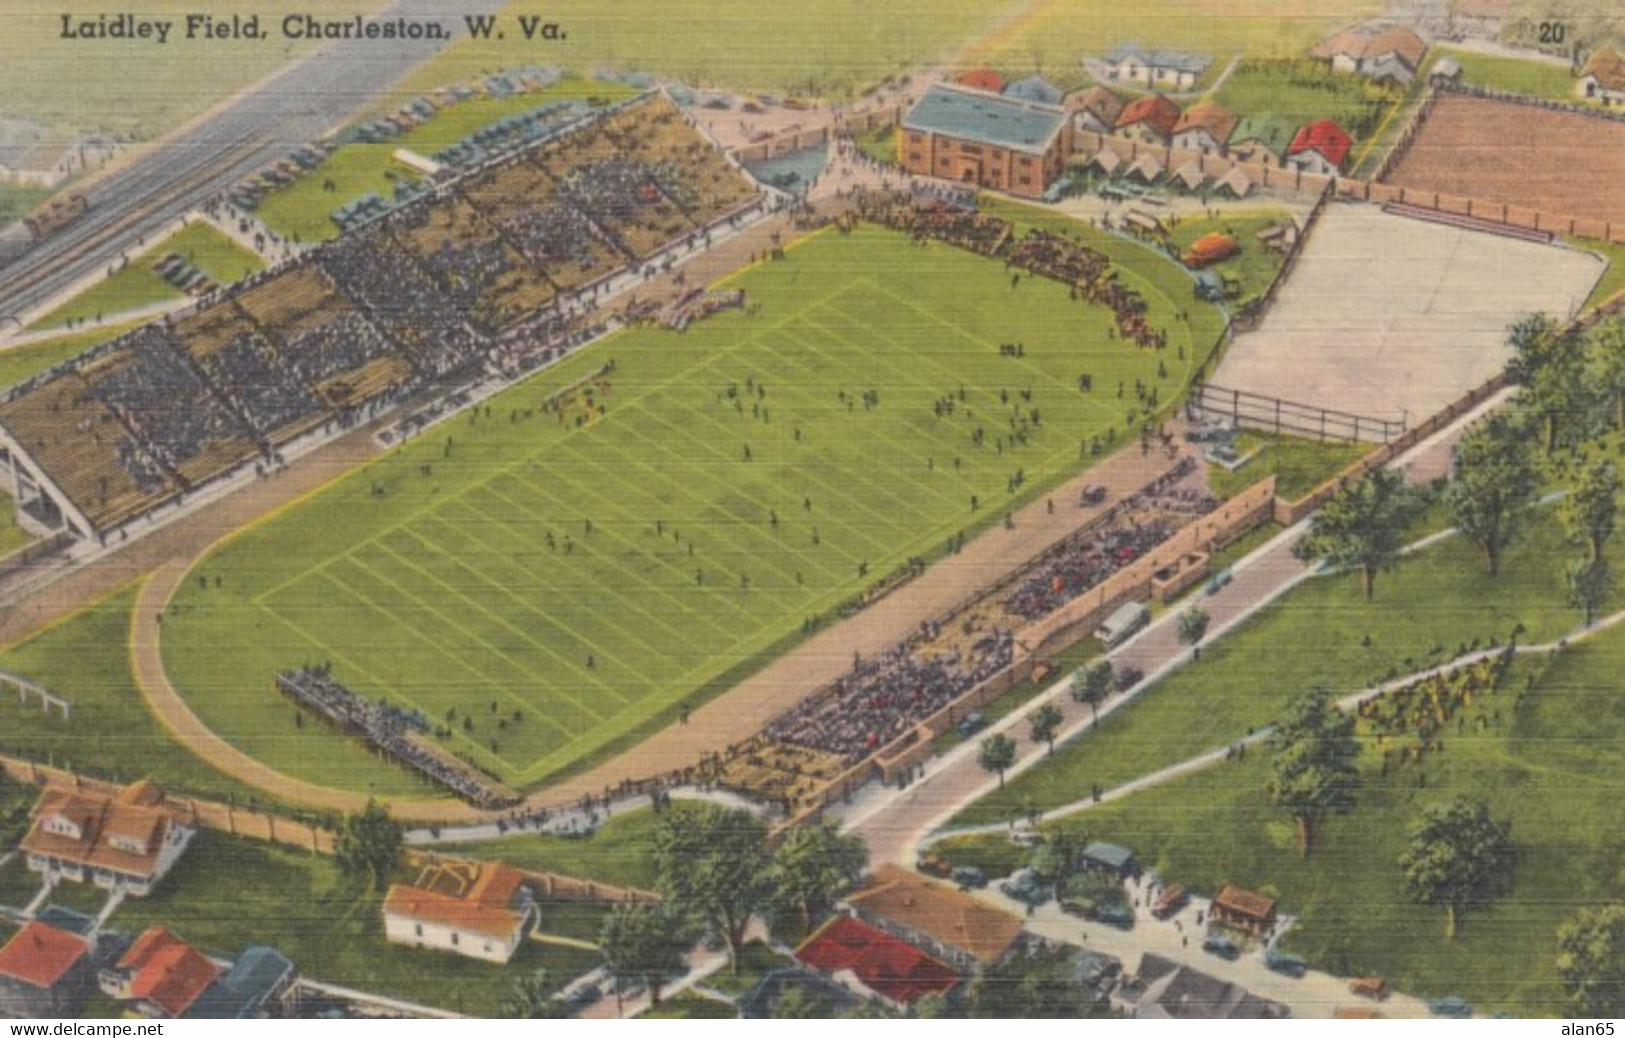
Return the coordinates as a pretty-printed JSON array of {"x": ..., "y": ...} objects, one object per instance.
[
  {"x": 162, "y": 974},
  {"x": 875, "y": 963},
  {"x": 1603, "y": 78},
  {"x": 1150, "y": 120},
  {"x": 479, "y": 910},
  {"x": 1319, "y": 147},
  {"x": 44, "y": 971},
  {"x": 1205, "y": 127},
  {"x": 982, "y": 79},
  {"x": 1379, "y": 53},
  {"x": 950, "y": 925},
  {"x": 122, "y": 842}
]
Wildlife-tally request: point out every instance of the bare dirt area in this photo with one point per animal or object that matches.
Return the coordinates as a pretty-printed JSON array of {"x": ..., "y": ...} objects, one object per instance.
[
  {"x": 1390, "y": 317},
  {"x": 1567, "y": 163}
]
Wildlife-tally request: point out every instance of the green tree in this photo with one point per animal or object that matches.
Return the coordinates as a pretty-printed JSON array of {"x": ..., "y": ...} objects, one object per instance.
[
  {"x": 1591, "y": 961},
  {"x": 1549, "y": 364},
  {"x": 1092, "y": 685},
  {"x": 369, "y": 844},
  {"x": 1493, "y": 483},
  {"x": 1193, "y": 624},
  {"x": 815, "y": 864},
  {"x": 643, "y": 941},
  {"x": 1041, "y": 984},
  {"x": 800, "y": 1004},
  {"x": 1459, "y": 858},
  {"x": 533, "y": 998},
  {"x": 711, "y": 864},
  {"x": 997, "y": 753},
  {"x": 1313, "y": 773},
  {"x": 1043, "y": 724},
  {"x": 1608, "y": 368},
  {"x": 1589, "y": 511},
  {"x": 1362, "y": 526},
  {"x": 1590, "y": 582}
]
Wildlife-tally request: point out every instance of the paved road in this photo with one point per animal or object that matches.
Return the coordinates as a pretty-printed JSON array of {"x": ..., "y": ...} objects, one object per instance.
[{"x": 302, "y": 101}]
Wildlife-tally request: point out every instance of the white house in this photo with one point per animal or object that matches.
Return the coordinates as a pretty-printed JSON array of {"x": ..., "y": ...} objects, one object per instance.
[
  {"x": 481, "y": 911},
  {"x": 1205, "y": 127},
  {"x": 125, "y": 842},
  {"x": 1164, "y": 69},
  {"x": 1603, "y": 78}
]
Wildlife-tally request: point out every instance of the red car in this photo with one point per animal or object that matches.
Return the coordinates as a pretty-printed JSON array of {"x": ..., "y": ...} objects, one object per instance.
[{"x": 1172, "y": 900}]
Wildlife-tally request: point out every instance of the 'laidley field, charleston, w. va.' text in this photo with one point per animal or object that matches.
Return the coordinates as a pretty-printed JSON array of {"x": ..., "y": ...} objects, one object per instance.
[{"x": 147, "y": 29}]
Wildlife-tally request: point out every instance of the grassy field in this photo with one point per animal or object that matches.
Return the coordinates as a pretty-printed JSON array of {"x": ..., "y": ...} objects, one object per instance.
[
  {"x": 1435, "y": 603},
  {"x": 1554, "y": 767},
  {"x": 686, "y": 1006},
  {"x": 617, "y": 852},
  {"x": 1513, "y": 75},
  {"x": 879, "y": 144},
  {"x": 1278, "y": 96},
  {"x": 1052, "y": 35},
  {"x": 228, "y": 893},
  {"x": 85, "y": 659},
  {"x": 735, "y": 483},
  {"x": 17, "y": 200},
  {"x": 1299, "y": 465},
  {"x": 1612, "y": 281},
  {"x": 91, "y": 83},
  {"x": 1255, "y": 267},
  {"x": 300, "y": 211},
  {"x": 139, "y": 284}
]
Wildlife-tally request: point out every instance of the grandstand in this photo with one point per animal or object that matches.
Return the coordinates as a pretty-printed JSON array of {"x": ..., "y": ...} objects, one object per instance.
[{"x": 418, "y": 298}]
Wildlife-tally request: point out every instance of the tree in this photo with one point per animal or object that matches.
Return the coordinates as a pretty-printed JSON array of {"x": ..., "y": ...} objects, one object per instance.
[
  {"x": 813, "y": 865},
  {"x": 801, "y": 1004},
  {"x": 369, "y": 844},
  {"x": 1043, "y": 723},
  {"x": 1092, "y": 686},
  {"x": 1193, "y": 628},
  {"x": 1608, "y": 369},
  {"x": 1493, "y": 483},
  {"x": 643, "y": 941},
  {"x": 711, "y": 863},
  {"x": 1589, "y": 511},
  {"x": 998, "y": 752},
  {"x": 1591, "y": 961},
  {"x": 1589, "y": 582},
  {"x": 533, "y": 998},
  {"x": 1313, "y": 774},
  {"x": 1459, "y": 858},
  {"x": 1042, "y": 984},
  {"x": 1549, "y": 363},
  {"x": 1361, "y": 527}
]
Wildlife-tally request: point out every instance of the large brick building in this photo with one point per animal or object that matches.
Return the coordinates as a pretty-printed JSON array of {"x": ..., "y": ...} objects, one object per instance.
[{"x": 975, "y": 138}]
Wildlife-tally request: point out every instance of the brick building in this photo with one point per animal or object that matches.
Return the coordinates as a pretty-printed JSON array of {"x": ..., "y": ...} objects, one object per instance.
[{"x": 995, "y": 142}]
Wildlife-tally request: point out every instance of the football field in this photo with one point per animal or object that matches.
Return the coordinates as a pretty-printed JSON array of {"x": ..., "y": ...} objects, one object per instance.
[{"x": 572, "y": 562}]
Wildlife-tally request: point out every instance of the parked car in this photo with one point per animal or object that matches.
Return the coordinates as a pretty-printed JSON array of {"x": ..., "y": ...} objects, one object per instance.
[
  {"x": 969, "y": 877},
  {"x": 1374, "y": 988},
  {"x": 970, "y": 724},
  {"x": 1171, "y": 901},
  {"x": 1117, "y": 914},
  {"x": 1222, "y": 946},
  {"x": 1284, "y": 964},
  {"x": 1451, "y": 1006},
  {"x": 1024, "y": 886},
  {"x": 934, "y": 865}
]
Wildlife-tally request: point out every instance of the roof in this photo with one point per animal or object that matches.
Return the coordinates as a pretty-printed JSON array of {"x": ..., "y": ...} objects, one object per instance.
[
  {"x": 1034, "y": 88},
  {"x": 167, "y": 971},
  {"x": 1003, "y": 122},
  {"x": 1107, "y": 159},
  {"x": 1447, "y": 67},
  {"x": 1217, "y": 120},
  {"x": 1245, "y": 903},
  {"x": 252, "y": 979},
  {"x": 938, "y": 912},
  {"x": 1155, "y": 111},
  {"x": 66, "y": 919},
  {"x": 1359, "y": 42},
  {"x": 1109, "y": 854},
  {"x": 40, "y": 955},
  {"x": 982, "y": 79},
  {"x": 1325, "y": 137},
  {"x": 1166, "y": 990},
  {"x": 486, "y": 906},
  {"x": 1606, "y": 67},
  {"x": 1098, "y": 101},
  {"x": 1147, "y": 167},
  {"x": 1237, "y": 182},
  {"x": 1174, "y": 60},
  {"x": 886, "y": 965},
  {"x": 132, "y": 814},
  {"x": 1191, "y": 175},
  {"x": 776, "y": 984}
]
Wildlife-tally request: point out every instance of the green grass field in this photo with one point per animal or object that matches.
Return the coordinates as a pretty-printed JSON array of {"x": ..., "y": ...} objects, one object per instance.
[
  {"x": 1553, "y": 767},
  {"x": 300, "y": 211},
  {"x": 1256, "y": 266},
  {"x": 1299, "y": 465},
  {"x": 138, "y": 284},
  {"x": 228, "y": 893},
  {"x": 111, "y": 733},
  {"x": 20, "y": 362},
  {"x": 1285, "y": 94},
  {"x": 1439, "y": 599},
  {"x": 1513, "y": 75},
  {"x": 426, "y": 577}
]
